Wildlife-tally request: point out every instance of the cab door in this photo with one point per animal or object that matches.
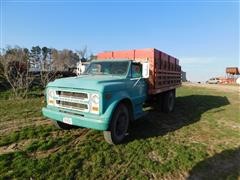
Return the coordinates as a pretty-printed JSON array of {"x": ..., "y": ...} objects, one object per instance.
[{"x": 138, "y": 88}]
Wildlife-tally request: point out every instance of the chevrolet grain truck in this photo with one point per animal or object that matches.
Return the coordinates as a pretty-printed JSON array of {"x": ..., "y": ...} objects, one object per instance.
[{"x": 112, "y": 91}]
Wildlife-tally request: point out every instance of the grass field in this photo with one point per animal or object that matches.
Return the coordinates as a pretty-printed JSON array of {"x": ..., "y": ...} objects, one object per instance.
[{"x": 200, "y": 140}]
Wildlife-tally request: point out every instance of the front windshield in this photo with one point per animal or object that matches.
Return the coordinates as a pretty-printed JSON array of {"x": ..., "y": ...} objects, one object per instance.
[{"x": 118, "y": 68}]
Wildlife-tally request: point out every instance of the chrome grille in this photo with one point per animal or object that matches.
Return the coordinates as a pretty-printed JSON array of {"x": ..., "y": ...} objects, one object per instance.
[
  {"x": 76, "y": 95},
  {"x": 72, "y": 105}
]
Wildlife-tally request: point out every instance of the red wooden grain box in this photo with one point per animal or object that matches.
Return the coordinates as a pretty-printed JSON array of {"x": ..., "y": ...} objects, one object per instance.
[{"x": 165, "y": 71}]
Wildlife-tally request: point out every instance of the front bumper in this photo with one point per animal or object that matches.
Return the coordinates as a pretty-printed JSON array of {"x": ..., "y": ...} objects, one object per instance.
[{"x": 90, "y": 121}]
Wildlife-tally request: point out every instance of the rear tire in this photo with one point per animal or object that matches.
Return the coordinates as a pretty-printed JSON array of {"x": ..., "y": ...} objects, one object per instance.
[
  {"x": 118, "y": 126},
  {"x": 159, "y": 102},
  {"x": 64, "y": 126},
  {"x": 168, "y": 101}
]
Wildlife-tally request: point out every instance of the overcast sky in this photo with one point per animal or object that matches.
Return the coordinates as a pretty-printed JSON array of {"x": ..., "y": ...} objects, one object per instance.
[{"x": 203, "y": 35}]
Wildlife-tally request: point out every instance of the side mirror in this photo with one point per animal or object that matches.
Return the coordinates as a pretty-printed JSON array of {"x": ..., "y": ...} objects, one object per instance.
[{"x": 145, "y": 70}]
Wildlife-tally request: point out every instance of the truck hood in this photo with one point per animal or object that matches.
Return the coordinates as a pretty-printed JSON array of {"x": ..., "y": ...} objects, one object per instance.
[{"x": 100, "y": 83}]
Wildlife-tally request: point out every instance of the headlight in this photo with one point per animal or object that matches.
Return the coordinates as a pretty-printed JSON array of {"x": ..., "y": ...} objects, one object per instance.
[
  {"x": 94, "y": 104},
  {"x": 95, "y": 98},
  {"x": 50, "y": 93}
]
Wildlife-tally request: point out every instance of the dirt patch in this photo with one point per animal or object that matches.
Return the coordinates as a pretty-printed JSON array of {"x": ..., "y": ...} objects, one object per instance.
[
  {"x": 232, "y": 125},
  {"x": 154, "y": 156},
  {"x": 10, "y": 126},
  {"x": 44, "y": 154},
  {"x": 174, "y": 175},
  {"x": 19, "y": 146},
  {"x": 79, "y": 136},
  {"x": 73, "y": 132}
]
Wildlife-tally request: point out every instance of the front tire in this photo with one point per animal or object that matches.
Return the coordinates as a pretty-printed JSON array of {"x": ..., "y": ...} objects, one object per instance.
[{"x": 118, "y": 126}]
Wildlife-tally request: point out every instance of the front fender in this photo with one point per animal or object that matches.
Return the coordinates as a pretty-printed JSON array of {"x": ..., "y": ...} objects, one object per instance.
[
  {"x": 109, "y": 111},
  {"x": 112, "y": 103}
]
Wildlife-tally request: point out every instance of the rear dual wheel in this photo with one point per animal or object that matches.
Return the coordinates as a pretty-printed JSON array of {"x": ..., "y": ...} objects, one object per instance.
[
  {"x": 118, "y": 126},
  {"x": 168, "y": 101}
]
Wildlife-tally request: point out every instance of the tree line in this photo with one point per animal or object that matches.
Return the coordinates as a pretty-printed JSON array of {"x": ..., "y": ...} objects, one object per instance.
[{"x": 20, "y": 67}]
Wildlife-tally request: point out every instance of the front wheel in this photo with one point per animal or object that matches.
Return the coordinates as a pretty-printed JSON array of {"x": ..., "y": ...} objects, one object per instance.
[{"x": 118, "y": 126}]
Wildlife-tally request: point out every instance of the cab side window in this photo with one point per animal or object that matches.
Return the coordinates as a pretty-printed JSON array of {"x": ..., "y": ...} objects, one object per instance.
[{"x": 136, "y": 71}]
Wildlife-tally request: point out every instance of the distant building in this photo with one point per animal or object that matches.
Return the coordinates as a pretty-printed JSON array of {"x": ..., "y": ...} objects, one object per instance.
[
  {"x": 184, "y": 76},
  {"x": 81, "y": 67},
  {"x": 238, "y": 81},
  {"x": 232, "y": 72}
]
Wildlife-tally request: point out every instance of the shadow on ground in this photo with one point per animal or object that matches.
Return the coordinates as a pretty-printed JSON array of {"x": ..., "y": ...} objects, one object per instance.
[
  {"x": 224, "y": 165},
  {"x": 188, "y": 110}
]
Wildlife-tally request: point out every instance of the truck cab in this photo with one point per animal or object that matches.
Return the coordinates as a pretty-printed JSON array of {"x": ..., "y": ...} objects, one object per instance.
[{"x": 107, "y": 97}]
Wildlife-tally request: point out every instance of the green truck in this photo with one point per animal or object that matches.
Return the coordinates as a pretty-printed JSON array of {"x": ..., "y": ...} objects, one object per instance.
[{"x": 112, "y": 91}]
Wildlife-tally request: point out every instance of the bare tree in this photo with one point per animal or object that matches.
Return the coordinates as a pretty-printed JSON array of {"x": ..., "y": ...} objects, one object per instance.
[
  {"x": 63, "y": 60},
  {"x": 47, "y": 73},
  {"x": 82, "y": 53},
  {"x": 15, "y": 69},
  {"x": 3, "y": 84},
  {"x": 41, "y": 62}
]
